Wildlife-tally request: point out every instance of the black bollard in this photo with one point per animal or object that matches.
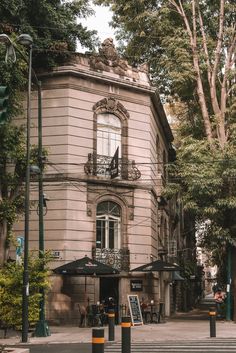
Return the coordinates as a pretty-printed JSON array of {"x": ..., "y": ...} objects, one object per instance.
[
  {"x": 126, "y": 334},
  {"x": 111, "y": 325},
  {"x": 212, "y": 317},
  {"x": 98, "y": 340}
]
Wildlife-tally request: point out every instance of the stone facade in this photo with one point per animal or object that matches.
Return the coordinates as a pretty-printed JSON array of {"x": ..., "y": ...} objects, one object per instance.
[{"x": 77, "y": 179}]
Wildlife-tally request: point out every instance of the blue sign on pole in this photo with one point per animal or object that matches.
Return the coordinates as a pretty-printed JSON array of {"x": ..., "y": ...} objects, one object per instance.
[{"x": 19, "y": 248}]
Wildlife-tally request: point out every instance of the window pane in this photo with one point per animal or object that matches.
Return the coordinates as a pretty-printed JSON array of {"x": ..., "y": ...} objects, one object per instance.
[
  {"x": 115, "y": 141},
  {"x": 111, "y": 235},
  {"x": 108, "y": 207},
  {"x": 100, "y": 238},
  {"x": 116, "y": 235},
  {"x": 108, "y": 134}
]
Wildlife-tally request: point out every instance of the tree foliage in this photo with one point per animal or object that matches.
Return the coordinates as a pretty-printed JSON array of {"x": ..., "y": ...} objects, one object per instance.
[
  {"x": 190, "y": 47},
  {"x": 11, "y": 287},
  {"x": 55, "y": 28}
]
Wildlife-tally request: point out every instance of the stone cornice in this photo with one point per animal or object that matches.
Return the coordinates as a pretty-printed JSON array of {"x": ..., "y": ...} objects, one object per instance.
[{"x": 101, "y": 76}]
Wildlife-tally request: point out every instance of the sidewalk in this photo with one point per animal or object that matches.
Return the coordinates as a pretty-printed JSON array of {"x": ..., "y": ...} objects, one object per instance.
[{"x": 176, "y": 329}]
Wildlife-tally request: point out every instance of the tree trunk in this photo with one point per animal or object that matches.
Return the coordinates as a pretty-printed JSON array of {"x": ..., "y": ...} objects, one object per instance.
[{"x": 3, "y": 237}]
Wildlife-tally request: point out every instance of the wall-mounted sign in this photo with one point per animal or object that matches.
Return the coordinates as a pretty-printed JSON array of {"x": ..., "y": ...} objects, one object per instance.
[
  {"x": 19, "y": 249},
  {"x": 136, "y": 285},
  {"x": 135, "y": 310}
]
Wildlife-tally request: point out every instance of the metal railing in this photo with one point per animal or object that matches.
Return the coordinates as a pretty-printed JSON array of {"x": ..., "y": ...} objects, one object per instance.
[
  {"x": 116, "y": 258},
  {"x": 99, "y": 165}
]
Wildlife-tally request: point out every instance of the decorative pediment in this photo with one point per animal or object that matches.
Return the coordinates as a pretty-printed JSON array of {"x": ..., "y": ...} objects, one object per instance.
[{"x": 111, "y": 105}]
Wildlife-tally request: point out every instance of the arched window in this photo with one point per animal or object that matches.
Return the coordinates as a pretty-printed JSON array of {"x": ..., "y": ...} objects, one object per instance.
[
  {"x": 108, "y": 225},
  {"x": 108, "y": 134}
]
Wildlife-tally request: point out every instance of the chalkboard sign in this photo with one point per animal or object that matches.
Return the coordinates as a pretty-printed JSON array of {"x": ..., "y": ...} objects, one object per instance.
[{"x": 135, "y": 310}]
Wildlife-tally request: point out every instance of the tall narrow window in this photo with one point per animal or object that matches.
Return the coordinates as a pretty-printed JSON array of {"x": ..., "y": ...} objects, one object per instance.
[
  {"x": 108, "y": 225},
  {"x": 108, "y": 134}
]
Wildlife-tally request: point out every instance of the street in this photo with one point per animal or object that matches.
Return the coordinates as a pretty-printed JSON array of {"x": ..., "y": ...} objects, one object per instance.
[
  {"x": 59, "y": 348},
  {"x": 205, "y": 346}
]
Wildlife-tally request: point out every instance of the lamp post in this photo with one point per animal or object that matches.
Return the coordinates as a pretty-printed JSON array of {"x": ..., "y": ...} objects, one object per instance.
[
  {"x": 42, "y": 327},
  {"x": 25, "y": 40},
  {"x": 25, "y": 294}
]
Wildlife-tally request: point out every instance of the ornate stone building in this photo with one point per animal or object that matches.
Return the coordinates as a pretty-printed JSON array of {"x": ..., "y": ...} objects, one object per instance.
[{"x": 94, "y": 107}]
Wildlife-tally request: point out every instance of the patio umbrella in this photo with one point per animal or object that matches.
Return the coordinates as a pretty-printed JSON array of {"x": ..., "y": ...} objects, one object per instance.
[
  {"x": 157, "y": 266},
  {"x": 85, "y": 267}
]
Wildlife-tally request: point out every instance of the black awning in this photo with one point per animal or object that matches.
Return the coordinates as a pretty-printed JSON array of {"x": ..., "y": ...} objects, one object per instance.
[
  {"x": 85, "y": 267},
  {"x": 157, "y": 266}
]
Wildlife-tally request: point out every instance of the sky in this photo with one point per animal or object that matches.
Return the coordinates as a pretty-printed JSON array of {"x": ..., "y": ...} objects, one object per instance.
[{"x": 100, "y": 23}]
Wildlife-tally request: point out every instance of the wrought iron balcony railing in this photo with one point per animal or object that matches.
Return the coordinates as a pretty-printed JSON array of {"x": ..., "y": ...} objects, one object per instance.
[
  {"x": 116, "y": 258},
  {"x": 99, "y": 165}
]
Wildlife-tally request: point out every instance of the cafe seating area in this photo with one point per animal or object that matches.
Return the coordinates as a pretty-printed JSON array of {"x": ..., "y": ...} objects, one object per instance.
[
  {"x": 97, "y": 314},
  {"x": 152, "y": 313}
]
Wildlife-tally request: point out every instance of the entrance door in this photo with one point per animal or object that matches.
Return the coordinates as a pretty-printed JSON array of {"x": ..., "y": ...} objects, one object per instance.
[{"x": 109, "y": 288}]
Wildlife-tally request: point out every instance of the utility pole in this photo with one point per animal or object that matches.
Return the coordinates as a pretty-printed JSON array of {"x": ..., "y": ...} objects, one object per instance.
[{"x": 42, "y": 329}]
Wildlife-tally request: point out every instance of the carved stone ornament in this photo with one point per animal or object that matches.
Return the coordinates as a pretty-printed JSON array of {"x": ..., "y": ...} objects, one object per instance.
[
  {"x": 108, "y": 50},
  {"x": 108, "y": 59},
  {"x": 89, "y": 211},
  {"x": 112, "y": 105}
]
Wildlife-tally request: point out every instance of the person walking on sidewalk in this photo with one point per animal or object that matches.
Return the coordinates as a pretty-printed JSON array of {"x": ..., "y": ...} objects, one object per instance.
[
  {"x": 82, "y": 312},
  {"x": 219, "y": 300}
]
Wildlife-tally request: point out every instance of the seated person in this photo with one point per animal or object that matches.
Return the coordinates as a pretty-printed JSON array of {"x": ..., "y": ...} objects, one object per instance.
[{"x": 102, "y": 314}]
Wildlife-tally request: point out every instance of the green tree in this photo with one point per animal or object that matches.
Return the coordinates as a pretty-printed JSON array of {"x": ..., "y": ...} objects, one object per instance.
[
  {"x": 11, "y": 290},
  {"x": 55, "y": 27},
  {"x": 190, "y": 47}
]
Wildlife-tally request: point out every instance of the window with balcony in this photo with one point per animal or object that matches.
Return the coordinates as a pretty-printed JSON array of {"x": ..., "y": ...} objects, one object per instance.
[
  {"x": 110, "y": 132},
  {"x": 108, "y": 225},
  {"x": 109, "y": 249}
]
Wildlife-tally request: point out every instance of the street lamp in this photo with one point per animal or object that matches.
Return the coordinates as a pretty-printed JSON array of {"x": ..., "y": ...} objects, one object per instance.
[
  {"x": 42, "y": 329},
  {"x": 26, "y": 40}
]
